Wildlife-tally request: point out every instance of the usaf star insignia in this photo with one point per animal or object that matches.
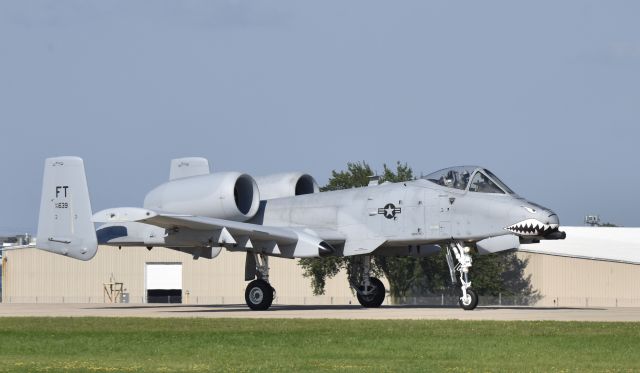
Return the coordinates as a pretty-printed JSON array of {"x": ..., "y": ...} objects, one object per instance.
[{"x": 390, "y": 211}]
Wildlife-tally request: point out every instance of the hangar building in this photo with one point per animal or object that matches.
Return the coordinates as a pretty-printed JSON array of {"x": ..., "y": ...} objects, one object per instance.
[
  {"x": 32, "y": 275},
  {"x": 138, "y": 275}
]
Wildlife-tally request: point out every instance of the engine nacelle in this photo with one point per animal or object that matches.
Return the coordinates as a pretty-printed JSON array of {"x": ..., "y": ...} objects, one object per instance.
[
  {"x": 286, "y": 185},
  {"x": 223, "y": 195}
]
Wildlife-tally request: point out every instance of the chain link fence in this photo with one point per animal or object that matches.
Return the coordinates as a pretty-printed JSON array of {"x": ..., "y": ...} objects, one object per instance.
[{"x": 442, "y": 300}]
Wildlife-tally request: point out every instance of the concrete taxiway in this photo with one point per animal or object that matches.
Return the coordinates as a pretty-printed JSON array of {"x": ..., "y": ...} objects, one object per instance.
[{"x": 319, "y": 312}]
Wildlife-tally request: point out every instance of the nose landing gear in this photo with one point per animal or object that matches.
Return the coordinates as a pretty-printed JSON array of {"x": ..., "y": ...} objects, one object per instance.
[{"x": 468, "y": 298}]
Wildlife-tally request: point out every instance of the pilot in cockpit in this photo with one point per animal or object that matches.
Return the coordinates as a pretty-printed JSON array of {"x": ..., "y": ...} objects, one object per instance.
[
  {"x": 455, "y": 179},
  {"x": 449, "y": 179},
  {"x": 483, "y": 180},
  {"x": 463, "y": 180}
]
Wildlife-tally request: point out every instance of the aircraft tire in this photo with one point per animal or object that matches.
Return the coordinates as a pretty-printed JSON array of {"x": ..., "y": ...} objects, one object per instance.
[
  {"x": 474, "y": 301},
  {"x": 375, "y": 299},
  {"x": 259, "y": 295}
]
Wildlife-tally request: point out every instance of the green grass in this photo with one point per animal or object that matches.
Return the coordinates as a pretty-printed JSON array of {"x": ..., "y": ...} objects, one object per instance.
[{"x": 250, "y": 345}]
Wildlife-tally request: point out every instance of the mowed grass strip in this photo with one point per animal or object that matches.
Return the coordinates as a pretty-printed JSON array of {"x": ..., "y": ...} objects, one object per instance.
[{"x": 265, "y": 345}]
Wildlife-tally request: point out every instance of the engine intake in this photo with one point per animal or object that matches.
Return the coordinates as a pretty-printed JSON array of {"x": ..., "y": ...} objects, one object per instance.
[
  {"x": 286, "y": 185},
  {"x": 223, "y": 195}
]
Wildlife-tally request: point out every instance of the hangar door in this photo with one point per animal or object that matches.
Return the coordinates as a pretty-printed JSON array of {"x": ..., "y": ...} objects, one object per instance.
[{"x": 163, "y": 282}]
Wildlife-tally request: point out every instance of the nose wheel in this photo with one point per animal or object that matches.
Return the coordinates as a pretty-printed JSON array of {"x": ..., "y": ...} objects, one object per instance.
[
  {"x": 468, "y": 297},
  {"x": 469, "y": 301}
]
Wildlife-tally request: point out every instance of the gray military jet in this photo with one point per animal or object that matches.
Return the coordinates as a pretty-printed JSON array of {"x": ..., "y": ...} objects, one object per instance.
[{"x": 463, "y": 210}]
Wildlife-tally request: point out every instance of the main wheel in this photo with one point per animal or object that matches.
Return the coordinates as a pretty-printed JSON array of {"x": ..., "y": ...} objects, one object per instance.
[
  {"x": 259, "y": 295},
  {"x": 376, "y": 297},
  {"x": 470, "y": 302}
]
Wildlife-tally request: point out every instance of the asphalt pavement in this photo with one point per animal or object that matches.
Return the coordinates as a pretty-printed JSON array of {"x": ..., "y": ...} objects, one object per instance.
[{"x": 321, "y": 312}]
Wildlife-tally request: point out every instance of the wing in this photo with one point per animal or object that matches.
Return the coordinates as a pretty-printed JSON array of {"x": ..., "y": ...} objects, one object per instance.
[{"x": 132, "y": 225}]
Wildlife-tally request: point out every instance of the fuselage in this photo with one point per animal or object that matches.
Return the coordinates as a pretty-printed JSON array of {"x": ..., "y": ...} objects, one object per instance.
[
  {"x": 413, "y": 212},
  {"x": 461, "y": 204}
]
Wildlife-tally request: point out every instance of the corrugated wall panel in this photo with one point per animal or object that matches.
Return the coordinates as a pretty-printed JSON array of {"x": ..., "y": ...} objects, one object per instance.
[
  {"x": 582, "y": 282},
  {"x": 34, "y": 275}
]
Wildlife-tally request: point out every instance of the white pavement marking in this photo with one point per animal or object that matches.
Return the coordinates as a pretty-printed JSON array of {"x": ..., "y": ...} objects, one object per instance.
[{"x": 321, "y": 312}]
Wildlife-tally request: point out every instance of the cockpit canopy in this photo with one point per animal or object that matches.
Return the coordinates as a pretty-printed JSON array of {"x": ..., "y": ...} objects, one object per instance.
[{"x": 472, "y": 178}]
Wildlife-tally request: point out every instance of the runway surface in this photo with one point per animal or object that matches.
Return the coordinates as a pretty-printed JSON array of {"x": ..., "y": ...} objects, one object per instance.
[{"x": 319, "y": 312}]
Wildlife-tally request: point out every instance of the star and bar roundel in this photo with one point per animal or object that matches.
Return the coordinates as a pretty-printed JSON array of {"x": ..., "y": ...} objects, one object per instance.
[{"x": 390, "y": 211}]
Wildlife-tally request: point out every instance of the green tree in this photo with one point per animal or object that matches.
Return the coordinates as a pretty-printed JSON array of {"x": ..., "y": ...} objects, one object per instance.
[
  {"x": 409, "y": 276},
  {"x": 319, "y": 269},
  {"x": 403, "y": 272},
  {"x": 357, "y": 175},
  {"x": 399, "y": 271},
  {"x": 490, "y": 275}
]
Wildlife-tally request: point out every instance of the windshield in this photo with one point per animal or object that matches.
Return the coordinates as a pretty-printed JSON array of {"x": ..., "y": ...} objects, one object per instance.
[
  {"x": 482, "y": 184},
  {"x": 484, "y": 181},
  {"x": 499, "y": 182},
  {"x": 454, "y": 177}
]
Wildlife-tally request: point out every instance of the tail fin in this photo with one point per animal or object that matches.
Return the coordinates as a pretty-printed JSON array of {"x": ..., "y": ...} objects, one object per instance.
[
  {"x": 186, "y": 167},
  {"x": 64, "y": 224}
]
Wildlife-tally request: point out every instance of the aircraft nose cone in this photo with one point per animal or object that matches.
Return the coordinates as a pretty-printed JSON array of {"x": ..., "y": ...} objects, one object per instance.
[
  {"x": 534, "y": 221},
  {"x": 553, "y": 219},
  {"x": 554, "y": 233}
]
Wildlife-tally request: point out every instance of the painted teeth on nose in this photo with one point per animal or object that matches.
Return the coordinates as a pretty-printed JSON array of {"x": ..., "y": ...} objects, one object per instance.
[{"x": 531, "y": 227}]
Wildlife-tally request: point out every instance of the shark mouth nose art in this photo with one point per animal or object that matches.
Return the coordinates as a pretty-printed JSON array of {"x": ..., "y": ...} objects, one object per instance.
[{"x": 532, "y": 227}]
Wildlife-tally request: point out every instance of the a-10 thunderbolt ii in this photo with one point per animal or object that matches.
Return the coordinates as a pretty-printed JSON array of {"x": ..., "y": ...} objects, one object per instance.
[{"x": 462, "y": 210}]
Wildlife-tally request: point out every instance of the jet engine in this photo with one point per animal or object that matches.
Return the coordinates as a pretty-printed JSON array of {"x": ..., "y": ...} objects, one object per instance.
[
  {"x": 286, "y": 185},
  {"x": 223, "y": 195}
]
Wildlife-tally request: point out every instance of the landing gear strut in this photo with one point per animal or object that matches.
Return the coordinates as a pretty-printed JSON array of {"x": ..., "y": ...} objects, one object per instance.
[
  {"x": 370, "y": 291},
  {"x": 468, "y": 298},
  {"x": 259, "y": 293}
]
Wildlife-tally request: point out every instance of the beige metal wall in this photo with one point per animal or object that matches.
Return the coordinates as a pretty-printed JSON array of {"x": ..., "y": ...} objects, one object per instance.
[
  {"x": 37, "y": 276},
  {"x": 571, "y": 282}
]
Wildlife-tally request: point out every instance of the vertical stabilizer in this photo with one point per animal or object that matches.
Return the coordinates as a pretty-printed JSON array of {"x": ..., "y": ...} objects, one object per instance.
[
  {"x": 64, "y": 224},
  {"x": 187, "y": 167}
]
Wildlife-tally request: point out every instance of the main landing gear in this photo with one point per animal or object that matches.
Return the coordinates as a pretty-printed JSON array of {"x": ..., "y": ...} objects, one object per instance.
[
  {"x": 370, "y": 291},
  {"x": 468, "y": 297},
  {"x": 259, "y": 293}
]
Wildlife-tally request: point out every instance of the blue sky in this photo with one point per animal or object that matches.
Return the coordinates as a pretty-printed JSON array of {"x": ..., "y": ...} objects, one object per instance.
[{"x": 546, "y": 94}]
